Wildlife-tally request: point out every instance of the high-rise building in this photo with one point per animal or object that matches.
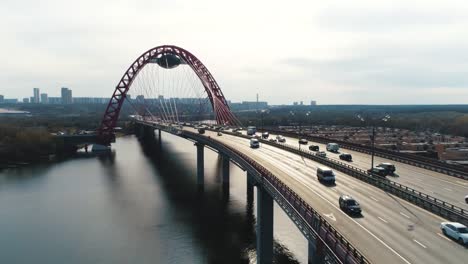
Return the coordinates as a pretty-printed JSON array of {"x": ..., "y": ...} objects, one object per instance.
[
  {"x": 313, "y": 102},
  {"x": 36, "y": 98},
  {"x": 66, "y": 94},
  {"x": 31, "y": 99},
  {"x": 44, "y": 98},
  {"x": 26, "y": 100},
  {"x": 1, "y": 99},
  {"x": 140, "y": 98}
]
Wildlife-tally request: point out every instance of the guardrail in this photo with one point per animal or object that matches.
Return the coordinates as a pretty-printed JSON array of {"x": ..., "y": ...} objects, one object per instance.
[
  {"x": 337, "y": 248},
  {"x": 430, "y": 203},
  {"x": 413, "y": 160}
]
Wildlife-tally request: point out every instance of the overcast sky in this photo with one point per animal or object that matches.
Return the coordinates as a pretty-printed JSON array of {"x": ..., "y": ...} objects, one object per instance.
[{"x": 335, "y": 52}]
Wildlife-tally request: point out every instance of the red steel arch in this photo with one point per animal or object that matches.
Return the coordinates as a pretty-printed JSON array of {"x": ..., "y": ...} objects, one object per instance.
[{"x": 219, "y": 104}]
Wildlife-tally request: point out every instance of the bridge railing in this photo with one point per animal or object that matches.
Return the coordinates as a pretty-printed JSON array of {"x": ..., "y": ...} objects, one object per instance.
[
  {"x": 337, "y": 248},
  {"x": 429, "y": 164},
  {"x": 428, "y": 202}
]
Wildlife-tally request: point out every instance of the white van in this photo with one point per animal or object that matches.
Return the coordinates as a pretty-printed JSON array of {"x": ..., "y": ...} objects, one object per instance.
[
  {"x": 333, "y": 147},
  {"x": 251, "y": 130},
  {"x": 254, "y": 143},
  {"x": 325, "y": 174}
]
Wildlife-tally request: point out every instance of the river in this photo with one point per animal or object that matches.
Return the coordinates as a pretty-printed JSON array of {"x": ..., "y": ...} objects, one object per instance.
[{"x": 135, "y": 205}]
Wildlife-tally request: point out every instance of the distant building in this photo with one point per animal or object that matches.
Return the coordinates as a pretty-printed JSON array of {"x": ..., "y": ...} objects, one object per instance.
[
  {"x": 36, "y": 98},
  {"x": 10, "y": 101},
  {"x": 254, "y": 105},
  {"x": 26, "y": 100},
  {"x": 313, "y": 102},
  {"x": 31, "y": 99},
  {"x": 140, "y": 98},
  {"x": 44, "y": 98},
  {"x": 295, "y": 103},
  {"x": 301, "y": 103},
  {"x": 90, "y": 100},
  {"x": 1, "y": 99},
  {"x": 66, "y": 94},
  {"x": 55, "y": 100}
]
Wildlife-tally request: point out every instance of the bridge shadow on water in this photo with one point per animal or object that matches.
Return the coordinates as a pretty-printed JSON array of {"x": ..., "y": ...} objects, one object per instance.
[{"x": 225, "y": 231}]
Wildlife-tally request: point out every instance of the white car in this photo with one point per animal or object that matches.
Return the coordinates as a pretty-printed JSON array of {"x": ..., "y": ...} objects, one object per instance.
[
  {"x": 280, "y": 139},
  {"x": 466, "y": 199},
  {"x": 456, "y": 231}
]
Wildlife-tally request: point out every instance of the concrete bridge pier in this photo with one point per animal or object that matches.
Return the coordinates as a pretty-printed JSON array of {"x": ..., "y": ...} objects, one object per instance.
[
  {"x": 264, "y": 226},
  {"x": 159, "y": 138},
  {"x": 250, "y": 190},
  {"x": 225, "y": 175},
  {"x": 200, "y": 164},
  {"x": 316, "y": 252},
  {"x": 148, "y": 133}
]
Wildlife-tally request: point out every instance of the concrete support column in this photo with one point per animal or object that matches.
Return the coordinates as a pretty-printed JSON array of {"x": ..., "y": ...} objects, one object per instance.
[
  {"x": 159, "y": 138},
  {"x": 316, "y": 252},
  {"x": 264, "y": 227},
  {"x": 200, "y": 164},
  {"x": 250, "y": 189},
  {"x": 225, "y": 160}
]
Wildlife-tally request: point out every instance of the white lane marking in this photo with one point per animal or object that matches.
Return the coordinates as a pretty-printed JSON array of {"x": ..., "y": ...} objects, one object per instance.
[
  {"x": 463, "y": 183},
  {"x": 331, "y": 216},
  {"x": 404, "y": 215},
  {"x": 419, "y": 243},
  {"x": 373, "y": 198},
  {"x": 448, "y": 189},
  {"x": 383, "y": 220},
  {"x": 334, "y": 190},
  {"x": 443, "y": 236}
]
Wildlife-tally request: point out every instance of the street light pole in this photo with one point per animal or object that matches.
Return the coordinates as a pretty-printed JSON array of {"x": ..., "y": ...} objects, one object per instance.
[
  {"x": 385, "y": 119},
  {"x": 373, "y": 146}
]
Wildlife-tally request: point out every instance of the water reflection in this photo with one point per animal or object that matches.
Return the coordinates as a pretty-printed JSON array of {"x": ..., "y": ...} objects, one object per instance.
[{"x": 139, "y": 204}]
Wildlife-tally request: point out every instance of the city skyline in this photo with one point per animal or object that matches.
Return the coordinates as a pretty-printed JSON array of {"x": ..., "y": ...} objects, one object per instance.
[{"x": 363, "y": 52}]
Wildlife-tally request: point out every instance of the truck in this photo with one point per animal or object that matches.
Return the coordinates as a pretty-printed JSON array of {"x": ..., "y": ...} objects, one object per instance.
[
  {"x": 333, "y": 147},
  {"x": 251, "y": 130}
]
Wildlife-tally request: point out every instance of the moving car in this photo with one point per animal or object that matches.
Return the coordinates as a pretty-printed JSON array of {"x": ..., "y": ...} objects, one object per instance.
[
  {"x": 201, "y": 130},
  {"x": 378, "y": 171},
  {"x": 314, "y": 148},
  {"x": 349, "y": 205},
  {"x": 280, "y": 139},
  {"x": 333, "y": 147},
  {"x": 265, "y": 135},
  {"x": 303, "y": 141},
  {"x": 251, "y": 130},
  {"x": 390, "y": 168},
  {"x": 325, "y": 174},
  {"x": 466, "y": 199},
  {"x": 321, "y": 154},
  {"x": 254, "y": 143},
  {"x": 219, "y": 133},
  {"x": 346, "y": 156},
  {"x": 456, "y": 231},
  {"x": 272, "y": 140}
]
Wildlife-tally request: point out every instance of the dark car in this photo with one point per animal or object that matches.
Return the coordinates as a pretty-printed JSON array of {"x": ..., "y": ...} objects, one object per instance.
[
  {"x": 349, "y": 205},
  {"x": 390, "y": 168},
  {"x": 303, "y": 141},
  {"x": 265, "y": 135},
  {"x": 346, "y": 156},
  {"x": 378, "y": 171},
  {"x": 314, "y": 148},
  {"x": 201, "y": 130}
]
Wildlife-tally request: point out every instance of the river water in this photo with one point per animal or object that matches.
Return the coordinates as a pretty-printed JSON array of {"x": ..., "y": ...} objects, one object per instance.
[{"x": 138, "y": 204}]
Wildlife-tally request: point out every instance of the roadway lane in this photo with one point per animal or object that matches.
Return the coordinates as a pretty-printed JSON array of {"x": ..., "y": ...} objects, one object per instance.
[
  {"x": 383, "y": 232},
  {"x": 447, "y": 188}
]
